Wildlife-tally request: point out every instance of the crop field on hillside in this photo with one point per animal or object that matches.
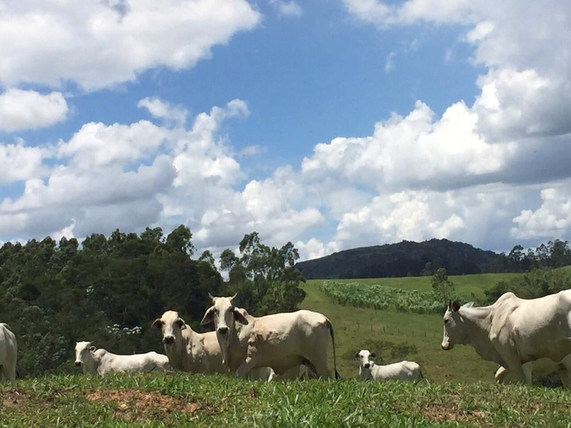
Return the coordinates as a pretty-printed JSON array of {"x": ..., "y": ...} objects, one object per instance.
[
  {"x": 180, "y": 399},
  {"x": 468, "y": 286}
]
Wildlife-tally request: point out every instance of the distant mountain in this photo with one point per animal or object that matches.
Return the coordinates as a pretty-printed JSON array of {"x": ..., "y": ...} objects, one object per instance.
[{"x": 406, "y": 258}]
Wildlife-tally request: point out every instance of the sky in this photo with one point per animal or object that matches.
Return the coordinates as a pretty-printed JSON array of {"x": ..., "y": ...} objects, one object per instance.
[{"x": 332, "y": 124}]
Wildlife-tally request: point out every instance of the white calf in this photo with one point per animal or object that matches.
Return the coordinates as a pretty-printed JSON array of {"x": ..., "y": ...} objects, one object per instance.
[
  {"x": 103, "y": 362},
  {"x": 405, "y": 370}
]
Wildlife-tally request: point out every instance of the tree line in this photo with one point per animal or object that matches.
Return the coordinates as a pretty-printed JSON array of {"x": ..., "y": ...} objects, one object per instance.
[
  {"x": 554, "y": 254},
  {"x": 109, "y": 289}
]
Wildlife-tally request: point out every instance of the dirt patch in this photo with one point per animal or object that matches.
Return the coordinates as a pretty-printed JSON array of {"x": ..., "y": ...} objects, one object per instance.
[
  {"x": 132, "y": 404},
  {"x": 14, "y": 399},
  {"x": 451, "y": 412}
]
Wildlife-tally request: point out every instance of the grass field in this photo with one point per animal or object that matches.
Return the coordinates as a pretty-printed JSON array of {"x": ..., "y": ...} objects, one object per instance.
[
  {"x": 364, "y": 328},
  {"x": 184, "y": 400}
]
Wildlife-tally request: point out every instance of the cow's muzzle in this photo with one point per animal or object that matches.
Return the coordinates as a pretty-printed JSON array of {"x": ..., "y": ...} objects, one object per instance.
[
  {"x": 223, "y": 330},
  {"x": 77, "y": 363},
  {"x": 168, "y": 340},
  {"x": 367, "y": 365}
]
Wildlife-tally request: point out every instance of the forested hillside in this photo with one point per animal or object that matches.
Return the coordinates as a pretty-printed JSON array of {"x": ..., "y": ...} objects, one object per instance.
[
  {"x": 406, "y": 258},
  {"x": 110, "y": 289},
  {"x": 409, "y": 258}
]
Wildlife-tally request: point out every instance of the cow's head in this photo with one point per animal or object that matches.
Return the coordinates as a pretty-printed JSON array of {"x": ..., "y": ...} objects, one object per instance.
[
  {"x": 365, "y": 358},
  {"x": 82, "y": 350},
  {"x": 171, "y": 325},
  {"x": 453, "y": 328},
  {"x": 223, "y": 314}
]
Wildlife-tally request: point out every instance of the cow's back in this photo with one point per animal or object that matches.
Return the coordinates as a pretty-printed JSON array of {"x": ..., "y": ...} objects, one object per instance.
[{"x": 536, "y": 327}]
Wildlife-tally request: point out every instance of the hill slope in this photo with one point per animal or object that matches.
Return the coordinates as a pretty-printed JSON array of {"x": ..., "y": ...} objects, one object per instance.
[{"x": 406, "y": 258}]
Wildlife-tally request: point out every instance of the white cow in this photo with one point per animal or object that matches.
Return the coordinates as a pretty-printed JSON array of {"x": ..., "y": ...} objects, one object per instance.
[
  {"x": 279, "y": 341},
  {"x": 8, "y": 353},
  {"x": 188, "y": 350},
  {"x": 405, "y": 370},
  {"x": 541, "y": 367},
  {"x": 103, "y": 362},
  {"x": 513, "y": 331}
]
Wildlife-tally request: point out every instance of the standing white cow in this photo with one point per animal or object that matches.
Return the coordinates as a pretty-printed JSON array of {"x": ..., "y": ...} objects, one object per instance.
[
  {"x": 8, "y": 353},
  {"x": 188, "y": 350},
  {"x": 279, "y": 341},
  {"x": 513, "y": 331},
  {"x": 103, "y": 362},
  {"x": 404, "y": 370}
]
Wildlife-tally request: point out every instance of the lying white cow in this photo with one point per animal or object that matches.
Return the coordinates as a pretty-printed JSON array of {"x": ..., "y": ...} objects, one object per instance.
[
  {"x": 8, "y": 353},
  {"x": 541, "y": 367},
  {"x": 405, "y": 370},
  {"x": 279, "y": 341},
  {"x": 513, "y": 331},
  {"x": 103, "y": 362}
]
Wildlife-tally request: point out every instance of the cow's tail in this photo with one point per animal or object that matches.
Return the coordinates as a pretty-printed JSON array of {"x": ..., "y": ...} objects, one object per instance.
[{"x": 337, "y": 376}]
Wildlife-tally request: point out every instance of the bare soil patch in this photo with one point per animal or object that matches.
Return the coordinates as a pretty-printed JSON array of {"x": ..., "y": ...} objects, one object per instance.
[
  {"x": 133, "y": 404},
  {"x": 14, "y": 399},
  {"x": 451, "y": 412}
]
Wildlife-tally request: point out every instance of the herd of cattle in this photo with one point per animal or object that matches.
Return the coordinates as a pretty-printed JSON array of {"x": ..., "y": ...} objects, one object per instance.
[{"x": 523, "y": 336}]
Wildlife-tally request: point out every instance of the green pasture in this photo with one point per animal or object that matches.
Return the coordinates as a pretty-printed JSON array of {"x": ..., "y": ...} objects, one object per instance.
[
  {"x": 186, "y": 400},
  {"x": 466, "y": 286},
  {"x": 384, "y": 331}
]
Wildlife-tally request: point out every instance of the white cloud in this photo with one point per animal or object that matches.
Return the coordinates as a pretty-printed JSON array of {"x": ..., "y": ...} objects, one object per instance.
[
  {"x": 21, "y": 110},
  {"x": 99, "y": 145},
  {"x": 287, "y": 8},
  {"x": 19, "y": 162},
  {"x": 551, "y": 220},
  {"x": 161, "y": 110},
  {"x": 98, "y": 44},
  {"x": 413, "y": 150}
]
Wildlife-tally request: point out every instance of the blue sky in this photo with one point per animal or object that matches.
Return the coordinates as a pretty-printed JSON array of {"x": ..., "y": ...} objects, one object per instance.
[{"x": 331, "y": 124}]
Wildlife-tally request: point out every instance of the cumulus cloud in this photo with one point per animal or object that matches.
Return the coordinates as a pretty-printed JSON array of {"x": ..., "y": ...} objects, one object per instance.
[
  {"x": 413, "y": 151},
  {"x": 20, "y": 110},
  {"x": 97, "y": 44},
  {"x": 19, "y": 162},
  {"x": 551, "y": 220}
]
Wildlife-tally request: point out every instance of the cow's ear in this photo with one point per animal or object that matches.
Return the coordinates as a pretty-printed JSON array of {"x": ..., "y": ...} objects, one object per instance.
[
  {"x": 468, "y": 305},
  {"x": 455, "y": 305},
  {"x": 157, "y": 323},
  {"x": 208, "y": 316},
  {"x": 450, "y": 304},
  {"x": 372, "y": 355},
  {"x": 92, "y": 349},
  {"x": 181, "y": 323},
  {"x": 356, "y": 355},
  {"x": 239, "y": 316}
]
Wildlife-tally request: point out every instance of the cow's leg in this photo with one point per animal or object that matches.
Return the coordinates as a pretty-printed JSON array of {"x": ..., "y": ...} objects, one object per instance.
[
  {"x": 527, "y": 369},
  {"x": 245, "y": 367},
  {"x": 565, "y": 372},
  {"x": 318, "y": 363},
  {"x": 517, "y": 371}
]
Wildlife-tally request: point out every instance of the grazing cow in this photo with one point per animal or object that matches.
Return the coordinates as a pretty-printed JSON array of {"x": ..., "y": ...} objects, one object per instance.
[
  {"x": 513, "y": 331},
  {"x": 541, "y": 367},
  {"x": 279, "y": 341},
  {"x": 8, "y": 353},
  {"x": 103, "y": 362},
  {"x": 405, "y": 370}
]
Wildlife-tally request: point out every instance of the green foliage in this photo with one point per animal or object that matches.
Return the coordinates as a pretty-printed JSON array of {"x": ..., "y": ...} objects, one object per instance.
[
  {"x": 536, "y": 283},
  {"x": 264, "y": 277},
  {"x": 54, "y": 294},
  {"x": 382, "y": 297},
  {"x": 442, "y": 286}
]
